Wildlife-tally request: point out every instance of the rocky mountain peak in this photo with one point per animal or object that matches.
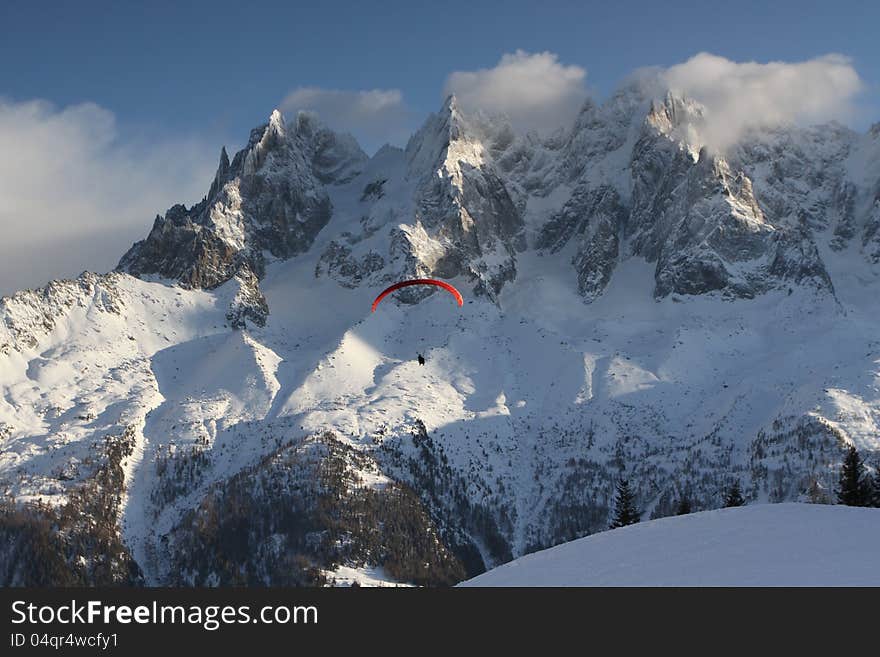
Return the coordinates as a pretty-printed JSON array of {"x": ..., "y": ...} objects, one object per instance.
[
  {"x": 273, "y": 136},
  {"x": 269, "y": 199},
  {"x": 426, "y": 150},
  {"x": 632, "y": 177},
  {"x": 450, "y": 110},
  {"x": 222, "y": 174},
  {"x": 678, "y": 118}
]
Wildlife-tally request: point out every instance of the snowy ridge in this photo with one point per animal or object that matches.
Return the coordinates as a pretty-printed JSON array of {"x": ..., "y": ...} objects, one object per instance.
[{"x": 761, "y": 545}]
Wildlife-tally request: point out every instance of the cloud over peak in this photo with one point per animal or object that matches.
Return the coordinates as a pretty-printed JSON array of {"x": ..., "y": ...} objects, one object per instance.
[
  {"x": 375, "y": 116},
  {"x": 534, "y": 90},
  {"x": 739, "y": 96}
]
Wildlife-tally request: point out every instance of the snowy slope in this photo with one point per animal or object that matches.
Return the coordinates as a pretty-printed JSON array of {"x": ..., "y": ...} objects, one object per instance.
[{"x": 760, "y": 545}]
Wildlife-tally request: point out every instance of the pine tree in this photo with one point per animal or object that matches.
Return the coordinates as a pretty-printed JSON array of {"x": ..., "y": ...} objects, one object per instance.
[
  {"x": 625, "y": 512},
  {"x": 684, "y": 506},
  {"x": 733, "y": 496},
  {"x": 853, "y": 484}
]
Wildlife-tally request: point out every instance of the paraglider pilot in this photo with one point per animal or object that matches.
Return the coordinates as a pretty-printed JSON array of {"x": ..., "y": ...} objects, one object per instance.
[{"x": 421, "y": 360}]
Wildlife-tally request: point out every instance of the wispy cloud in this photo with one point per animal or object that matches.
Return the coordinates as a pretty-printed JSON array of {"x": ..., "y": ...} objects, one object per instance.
[
  {"x": 743, "y": 95},
  {"x": 374, "y": 117},
  {"x": 70, "y": 181},
  {"x": 534, "y": 90}
]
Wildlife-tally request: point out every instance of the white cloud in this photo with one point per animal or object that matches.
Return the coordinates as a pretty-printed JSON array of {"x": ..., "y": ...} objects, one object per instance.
[
  {"x": 535, "y": 91},
  {"x": 375, "y": 116},
  {"x": 742, "y": 95},
  {"x": 75, "y": 193}
]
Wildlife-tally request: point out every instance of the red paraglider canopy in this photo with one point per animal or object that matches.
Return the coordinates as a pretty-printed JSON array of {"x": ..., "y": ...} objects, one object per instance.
[{"x": 419, "y": 281}]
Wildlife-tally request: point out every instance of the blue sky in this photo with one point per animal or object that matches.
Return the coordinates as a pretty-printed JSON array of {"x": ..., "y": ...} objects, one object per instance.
[
  {"x": 117, "y": 110},
  {"x": 218, "y": 68}
]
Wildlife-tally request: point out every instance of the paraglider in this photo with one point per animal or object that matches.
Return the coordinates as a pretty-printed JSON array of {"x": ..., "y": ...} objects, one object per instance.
[{"x": 419, "y": 281}]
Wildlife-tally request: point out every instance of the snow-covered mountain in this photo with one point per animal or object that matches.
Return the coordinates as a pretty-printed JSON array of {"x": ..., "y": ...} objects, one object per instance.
[
  {"x": 761, "y": 545},
  {"x": 225, "y": 408}
]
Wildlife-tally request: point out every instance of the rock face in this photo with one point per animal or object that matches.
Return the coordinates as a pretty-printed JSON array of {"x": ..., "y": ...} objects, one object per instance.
[
  {"x": 462, "y": 205},
  {"x": 630, "y": 178},
  {"x": 698, "y": 217},
  {"x": 593, "y": 216},
  {"x": 269, "y": 200},
  {"x": 248, "y": 302}
]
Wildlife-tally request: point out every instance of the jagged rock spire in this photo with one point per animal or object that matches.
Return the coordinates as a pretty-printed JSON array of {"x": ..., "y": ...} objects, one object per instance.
[{"x": 222, "y": 174}]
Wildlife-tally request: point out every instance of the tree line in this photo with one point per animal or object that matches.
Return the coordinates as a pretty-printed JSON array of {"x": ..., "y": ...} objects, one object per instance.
[{"x": 856, "y": 487}]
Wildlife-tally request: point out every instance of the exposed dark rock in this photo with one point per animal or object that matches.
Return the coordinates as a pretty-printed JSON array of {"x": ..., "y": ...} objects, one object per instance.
[
  {"x": 303, "y": 511},
  {"x": 271, "y": 198},
  {"x": 249, "y": 302}
]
